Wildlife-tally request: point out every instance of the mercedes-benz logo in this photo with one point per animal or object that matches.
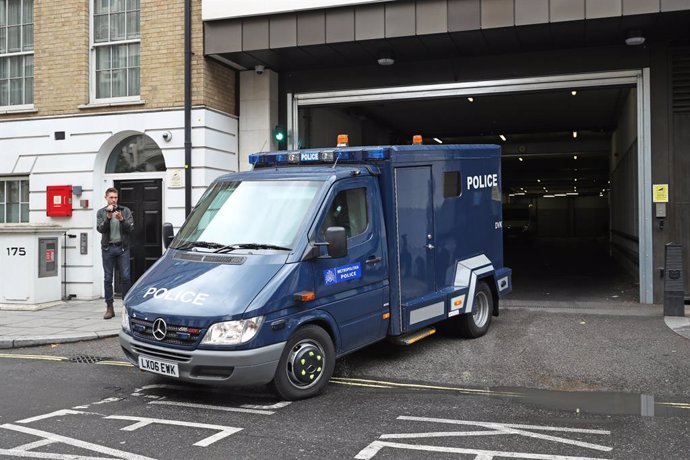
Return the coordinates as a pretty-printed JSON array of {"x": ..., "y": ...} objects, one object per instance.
[{"x": 159, "y": 329}]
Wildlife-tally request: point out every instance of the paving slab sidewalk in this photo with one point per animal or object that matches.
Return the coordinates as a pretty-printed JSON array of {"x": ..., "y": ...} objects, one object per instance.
[{"x": 58, "y": 322}]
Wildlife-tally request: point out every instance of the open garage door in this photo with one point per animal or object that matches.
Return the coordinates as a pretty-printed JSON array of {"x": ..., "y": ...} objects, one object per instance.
[{"x": 576, "y": 171}]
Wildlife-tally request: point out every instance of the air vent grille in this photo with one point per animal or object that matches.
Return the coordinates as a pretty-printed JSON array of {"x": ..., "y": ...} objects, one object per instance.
[
  {"x": 680, "y": 64},
  {"x": 210, "y": 258}
]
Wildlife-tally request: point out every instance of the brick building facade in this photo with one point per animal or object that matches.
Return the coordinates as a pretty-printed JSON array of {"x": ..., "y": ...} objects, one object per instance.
[{"x": 93, "y": 96}]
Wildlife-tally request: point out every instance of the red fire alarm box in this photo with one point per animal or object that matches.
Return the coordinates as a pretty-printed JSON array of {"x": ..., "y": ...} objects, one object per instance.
[{"x": 59, "y": 200}]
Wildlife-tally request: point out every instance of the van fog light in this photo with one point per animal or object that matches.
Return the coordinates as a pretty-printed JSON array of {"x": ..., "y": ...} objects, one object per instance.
[{"x": 232, "y": 332}]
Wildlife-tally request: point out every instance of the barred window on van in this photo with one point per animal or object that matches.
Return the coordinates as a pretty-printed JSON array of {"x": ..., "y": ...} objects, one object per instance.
[{"x": 452, "y": 186}]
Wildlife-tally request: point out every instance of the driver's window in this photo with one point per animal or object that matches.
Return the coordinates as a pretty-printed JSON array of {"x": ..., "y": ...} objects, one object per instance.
[{"x": 348, "y": 210}]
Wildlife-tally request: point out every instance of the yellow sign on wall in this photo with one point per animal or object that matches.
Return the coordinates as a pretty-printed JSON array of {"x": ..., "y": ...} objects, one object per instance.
[{"x": 660, "y": 194}]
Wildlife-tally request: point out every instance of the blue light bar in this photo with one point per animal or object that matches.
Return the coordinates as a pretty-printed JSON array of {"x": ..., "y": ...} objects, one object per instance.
[
  {"x": 313, "y": 156},
  {"x": 376, "y": 154}
]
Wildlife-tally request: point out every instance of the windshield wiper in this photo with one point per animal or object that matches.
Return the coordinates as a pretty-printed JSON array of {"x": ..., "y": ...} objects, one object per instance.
[
  {"x": 232, "y": 247},
  {"x": 199, "y": 244}
]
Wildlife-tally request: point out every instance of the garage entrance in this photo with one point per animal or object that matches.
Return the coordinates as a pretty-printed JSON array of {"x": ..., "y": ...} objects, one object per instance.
[{"x": 575, "y": 167}]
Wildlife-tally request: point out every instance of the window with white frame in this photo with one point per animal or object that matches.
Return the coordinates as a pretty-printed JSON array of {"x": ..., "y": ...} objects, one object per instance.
[
  {"x": 16, "y": 53},
  {"x": 14, "y": 200},
  {"x": 115, "y": 49}
]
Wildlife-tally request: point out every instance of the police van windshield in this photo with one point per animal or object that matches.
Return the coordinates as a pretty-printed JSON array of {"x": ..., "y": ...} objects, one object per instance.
[{"x": 246, "y": 213}]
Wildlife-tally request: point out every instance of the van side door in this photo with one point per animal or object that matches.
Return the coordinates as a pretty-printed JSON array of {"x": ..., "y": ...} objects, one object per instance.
[{"x": 354, "y": 288}]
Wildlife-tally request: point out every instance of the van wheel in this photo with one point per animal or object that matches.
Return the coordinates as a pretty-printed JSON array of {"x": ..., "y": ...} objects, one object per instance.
[
  {"x": 475, "y": 324},
  {"x": 306, "y": 365}
]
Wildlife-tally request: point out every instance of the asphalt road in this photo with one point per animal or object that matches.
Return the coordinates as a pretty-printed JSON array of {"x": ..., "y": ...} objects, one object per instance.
[{"x": 540, "y": 385}]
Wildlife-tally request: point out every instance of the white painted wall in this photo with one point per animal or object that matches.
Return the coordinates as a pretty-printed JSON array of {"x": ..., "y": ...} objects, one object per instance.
[
  {"x": 28, "y": 148},
  {"x": 258, "y": 114}
]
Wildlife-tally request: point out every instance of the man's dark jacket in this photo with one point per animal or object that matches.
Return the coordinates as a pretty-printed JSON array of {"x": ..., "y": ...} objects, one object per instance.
[{"x": 103, "y": 226}]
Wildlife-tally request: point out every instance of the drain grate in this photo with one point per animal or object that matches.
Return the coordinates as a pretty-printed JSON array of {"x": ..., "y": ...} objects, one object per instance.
[{"x": 86, "y": 359}]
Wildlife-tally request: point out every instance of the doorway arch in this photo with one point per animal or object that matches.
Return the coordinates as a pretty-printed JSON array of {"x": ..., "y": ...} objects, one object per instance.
[{"x": 133, "y": 163}]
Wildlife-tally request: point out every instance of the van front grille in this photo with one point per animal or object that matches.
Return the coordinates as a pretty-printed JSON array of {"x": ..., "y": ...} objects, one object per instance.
[{"x": 175, "y": 335}]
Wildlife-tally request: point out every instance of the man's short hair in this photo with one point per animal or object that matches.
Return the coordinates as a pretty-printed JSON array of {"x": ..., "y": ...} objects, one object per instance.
[{"x": 111, "y": 190}]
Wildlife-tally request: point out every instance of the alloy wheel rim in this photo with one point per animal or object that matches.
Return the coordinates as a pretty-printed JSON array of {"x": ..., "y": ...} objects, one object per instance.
[{"x": 305, "y": 364}]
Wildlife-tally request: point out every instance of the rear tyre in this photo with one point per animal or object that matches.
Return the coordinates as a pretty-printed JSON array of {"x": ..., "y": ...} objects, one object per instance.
[
  {"x": 306, "y": 365},
  {"x": 475, "y": 324}
]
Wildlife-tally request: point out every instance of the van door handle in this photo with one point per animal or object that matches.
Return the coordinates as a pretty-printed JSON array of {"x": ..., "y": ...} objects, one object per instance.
[{"x": 373, "y": 260}]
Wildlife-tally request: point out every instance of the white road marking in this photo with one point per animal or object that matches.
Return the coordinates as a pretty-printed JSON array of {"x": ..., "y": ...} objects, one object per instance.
[
  {"x": 521, "y": 430},
  {"x": 210, "y": 407},
  {"x": 138, "y": 391},
  {"x": 440, "y": 434},
  {"x": 278, "y": 405},
  {"x": 57, "y": 413},
  {"x": 102, "y": 401},
  {"x": 372, "y": 449},
  {"x": 491, "y": 429},
  {"x": 49, "y": 455},
  {"x": 224, "y": 431},
  {"x": 34, "y": 445},
  {"x": 69, "y": 441}
]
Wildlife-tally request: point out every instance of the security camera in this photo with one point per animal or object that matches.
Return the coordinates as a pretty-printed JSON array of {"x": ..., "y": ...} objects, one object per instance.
[
  {"x": 259, "y": 69},
  {"x": 167, "y": 136}
]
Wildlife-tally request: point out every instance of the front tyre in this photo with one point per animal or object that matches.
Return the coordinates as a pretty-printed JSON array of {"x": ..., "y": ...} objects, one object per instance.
[
  {"x": 306, "y": 365},
  {"x": 475, "y": 324}
]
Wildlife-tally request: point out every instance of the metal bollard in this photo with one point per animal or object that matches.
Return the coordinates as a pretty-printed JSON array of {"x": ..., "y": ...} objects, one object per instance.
[{"x": 674, "y": 287}]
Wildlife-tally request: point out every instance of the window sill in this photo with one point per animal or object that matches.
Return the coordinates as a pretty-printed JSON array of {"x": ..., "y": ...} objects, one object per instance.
[
  {"x": 99, "y": 105},
  {"x": 11, "y": 111}
]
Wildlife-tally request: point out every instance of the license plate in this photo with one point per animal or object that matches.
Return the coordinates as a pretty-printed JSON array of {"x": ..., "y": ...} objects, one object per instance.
[{"x": 158, "y": 367}]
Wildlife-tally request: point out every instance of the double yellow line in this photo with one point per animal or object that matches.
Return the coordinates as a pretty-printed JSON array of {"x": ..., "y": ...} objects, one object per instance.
[
  {"x": 60, "y": 358},
  {"x": 417, "y": 386}
]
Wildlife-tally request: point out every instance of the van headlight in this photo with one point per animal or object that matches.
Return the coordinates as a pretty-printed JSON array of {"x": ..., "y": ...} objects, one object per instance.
[
  {"x": 232, "y": 332},
  {"x": 125, "y": 320}
]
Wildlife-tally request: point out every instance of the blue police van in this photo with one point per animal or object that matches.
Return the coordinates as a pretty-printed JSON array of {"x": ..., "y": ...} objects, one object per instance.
[{"x": 316, "y": 253}]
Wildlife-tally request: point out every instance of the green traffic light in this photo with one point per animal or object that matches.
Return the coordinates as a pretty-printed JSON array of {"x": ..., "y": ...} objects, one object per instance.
[{"x": 280, "y": 136}]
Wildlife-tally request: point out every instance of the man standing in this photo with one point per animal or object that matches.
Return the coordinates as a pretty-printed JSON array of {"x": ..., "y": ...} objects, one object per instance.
[{"x": 114, "y": 223}]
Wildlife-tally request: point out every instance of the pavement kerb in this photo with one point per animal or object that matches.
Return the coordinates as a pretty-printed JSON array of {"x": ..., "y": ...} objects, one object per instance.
[
  {"x": 28, "y": 328},
  {"x": 679, "y": 324}
]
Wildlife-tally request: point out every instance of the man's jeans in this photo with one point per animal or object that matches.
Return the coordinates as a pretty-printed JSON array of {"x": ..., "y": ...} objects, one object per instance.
[{"x": 115, "y": 256}]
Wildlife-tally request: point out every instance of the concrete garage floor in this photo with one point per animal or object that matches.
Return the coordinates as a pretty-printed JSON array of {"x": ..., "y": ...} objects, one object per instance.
[{"x": 567, "y": 269}]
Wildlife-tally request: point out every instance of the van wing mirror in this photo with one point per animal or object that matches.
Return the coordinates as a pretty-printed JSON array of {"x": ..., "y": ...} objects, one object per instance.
[
  {"x": 168, "y": 234},
  {"x": 337, "y": 242}
]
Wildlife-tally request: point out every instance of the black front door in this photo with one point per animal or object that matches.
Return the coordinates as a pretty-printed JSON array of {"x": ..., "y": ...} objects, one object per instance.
[{"x": 144, "y": 198}]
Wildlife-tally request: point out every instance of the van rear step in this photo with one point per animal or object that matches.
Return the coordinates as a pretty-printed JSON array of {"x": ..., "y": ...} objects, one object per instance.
[{"x": 412, "y": 337}]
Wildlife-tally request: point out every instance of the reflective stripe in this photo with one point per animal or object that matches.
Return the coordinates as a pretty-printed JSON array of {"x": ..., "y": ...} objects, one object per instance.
[{"x": 466, "y": 274}]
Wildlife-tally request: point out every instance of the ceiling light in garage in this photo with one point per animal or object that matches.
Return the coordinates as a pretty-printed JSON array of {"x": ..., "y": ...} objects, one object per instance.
[
  {"x": 575, "y": 179},
  {"x": 438, "y": 140},
  {"x": 634, "y": 38},
  {"x": 574, "y": 134},
  {"x": 503, "y": 138},
  {"x": 386, "y": 58},
  {"x": 470, "y": 99},
  {"x": 538, "y": 180},
  {"x": 574, "y": 157},
  {"x": 520, "y": 158},
  {"x": 573, "y": 92}
]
